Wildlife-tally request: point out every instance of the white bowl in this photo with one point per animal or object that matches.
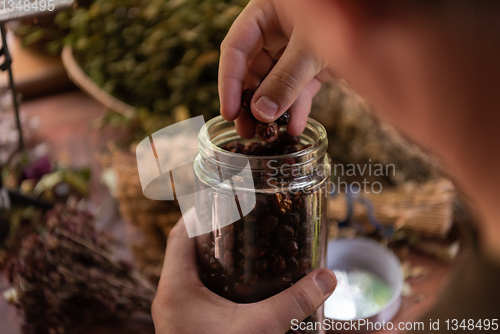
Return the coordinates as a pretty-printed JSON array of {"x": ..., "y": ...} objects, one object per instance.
[{"x": 368, "y": 255}]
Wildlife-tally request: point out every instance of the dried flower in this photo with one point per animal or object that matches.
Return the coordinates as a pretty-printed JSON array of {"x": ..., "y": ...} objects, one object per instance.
[{"x": 67, "y": 276}]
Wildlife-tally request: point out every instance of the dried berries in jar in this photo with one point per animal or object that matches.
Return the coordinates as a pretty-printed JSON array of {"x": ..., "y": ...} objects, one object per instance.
[{"x": 283, "y": 237}]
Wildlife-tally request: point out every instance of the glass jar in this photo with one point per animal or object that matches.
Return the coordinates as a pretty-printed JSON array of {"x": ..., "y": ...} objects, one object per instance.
[{"x": 283, "y": 237}]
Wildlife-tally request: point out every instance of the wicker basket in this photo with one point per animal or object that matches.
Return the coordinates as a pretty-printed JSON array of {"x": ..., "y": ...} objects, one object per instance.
[{"x": 153, "y": 219}]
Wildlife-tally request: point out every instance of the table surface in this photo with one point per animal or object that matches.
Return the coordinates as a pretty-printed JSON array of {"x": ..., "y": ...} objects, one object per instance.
[{"x": 64, "y": 125}]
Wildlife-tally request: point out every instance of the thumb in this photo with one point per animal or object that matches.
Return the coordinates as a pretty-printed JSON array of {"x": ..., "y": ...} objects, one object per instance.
[
  {"x": 283, "y": 85},
  {"x": 298, "y": 302}
]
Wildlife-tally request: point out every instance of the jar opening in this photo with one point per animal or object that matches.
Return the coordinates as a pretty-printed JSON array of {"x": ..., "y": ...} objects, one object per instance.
[
  {"x": 220, "y": 132},
  {"x": 301, "y": 169}
]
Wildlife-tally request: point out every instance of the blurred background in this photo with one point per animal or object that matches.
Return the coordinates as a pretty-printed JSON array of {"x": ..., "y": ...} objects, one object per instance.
[{"x": 81, "y": 248}]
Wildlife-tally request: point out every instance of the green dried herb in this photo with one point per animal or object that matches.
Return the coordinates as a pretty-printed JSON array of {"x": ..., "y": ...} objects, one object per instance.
[{"x": 155, "y": 55}]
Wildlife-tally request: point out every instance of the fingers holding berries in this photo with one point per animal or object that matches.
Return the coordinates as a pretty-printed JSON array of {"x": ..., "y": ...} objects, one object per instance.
[{"x": 267, "y": 132}]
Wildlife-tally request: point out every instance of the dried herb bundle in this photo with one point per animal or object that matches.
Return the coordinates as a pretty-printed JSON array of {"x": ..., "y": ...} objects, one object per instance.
[{"x": 67, "y": 277}]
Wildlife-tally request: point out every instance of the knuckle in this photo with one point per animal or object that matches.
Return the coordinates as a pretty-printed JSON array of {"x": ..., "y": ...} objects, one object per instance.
[
  {"x": 285, "y": 78},
  {"x": 304, "y": 302}
]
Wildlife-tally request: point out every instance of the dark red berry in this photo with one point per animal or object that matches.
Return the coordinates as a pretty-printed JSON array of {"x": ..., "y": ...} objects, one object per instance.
[
  {"x": 286, "y": 139},
  {"x": 253, "y": 279},
  {"x": 205, "y": 259},
  {"x": 255, "y": 149},
  {"x": 229, "y": 262},
  {"x": 264, "y": 239},
  {"x": 285, "y": 281},
  {"x": 246, "y": 99},
  {"x": 268, "y": 224},
  {"x": 278, "y": 264},
  {"x": 299, "y": 203},
  {"x": 291, "y": 248},
  {"x": 305, "y": 264},
  {"x": 283, "y": 119},
  {"x": 214, "y": 263},
  {"x": 290, "y": 149},
  {"x": 205, "y": 247},
  {"x": 284, "y": 234},
  {"x": 261, "y": 265},
  {"x": 258, "y": 251},
  {"x": 292, "y": 264},
  {"x": 234, "y": 147},
  {"x": 292, "y": 218},
  {"x": 228, "y": 240},
  {"x": 272, "y": 250},
  {"x": 246, "y": 250},
  {"x": 267, "y": 132}
]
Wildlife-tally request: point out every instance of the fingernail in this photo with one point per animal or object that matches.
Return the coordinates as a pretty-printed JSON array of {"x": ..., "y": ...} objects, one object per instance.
[
  {"x": 266, "y": 106},
  {"x": 325, "y": 282}
]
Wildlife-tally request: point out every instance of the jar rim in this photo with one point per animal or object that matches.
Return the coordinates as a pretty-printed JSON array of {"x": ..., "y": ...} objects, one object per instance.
[
  {"x": 313, "y": 126},
  {"x": 295, "y": 169}
]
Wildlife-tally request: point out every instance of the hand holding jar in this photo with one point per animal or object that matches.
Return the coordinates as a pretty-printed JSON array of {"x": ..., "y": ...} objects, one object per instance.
[{"x": 184, "y": 305}]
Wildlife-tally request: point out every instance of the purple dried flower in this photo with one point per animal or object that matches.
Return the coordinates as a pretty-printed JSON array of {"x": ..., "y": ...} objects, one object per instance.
[{"x": 38, "y": 168}]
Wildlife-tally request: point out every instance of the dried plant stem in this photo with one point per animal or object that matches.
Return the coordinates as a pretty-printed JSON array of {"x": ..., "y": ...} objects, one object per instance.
[{"x": 134, "y": 274}]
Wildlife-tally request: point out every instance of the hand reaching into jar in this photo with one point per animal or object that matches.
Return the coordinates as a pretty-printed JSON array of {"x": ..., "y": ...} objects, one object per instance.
[
  {"x": 429, "y": 67},
  {"x": 268, "y": 48},
  {"x": 184, "y": 305}
]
